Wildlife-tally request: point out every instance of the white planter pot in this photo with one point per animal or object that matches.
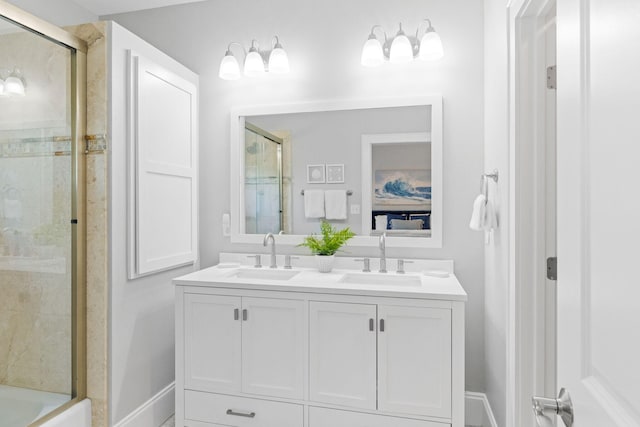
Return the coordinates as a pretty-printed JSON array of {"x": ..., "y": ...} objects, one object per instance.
[{"x": 325, "y": 263}]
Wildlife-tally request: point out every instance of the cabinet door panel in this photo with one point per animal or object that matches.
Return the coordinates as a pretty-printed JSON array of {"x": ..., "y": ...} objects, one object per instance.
[
  {"x": 273, "y": 343},
  {"x": 414, "y": 361},
  {"x": 342, "y": 354},
  {"x": 212, "y": 342}
]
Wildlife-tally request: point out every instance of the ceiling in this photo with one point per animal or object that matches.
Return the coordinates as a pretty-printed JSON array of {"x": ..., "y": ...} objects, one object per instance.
[{"x": 107, "y": 7}]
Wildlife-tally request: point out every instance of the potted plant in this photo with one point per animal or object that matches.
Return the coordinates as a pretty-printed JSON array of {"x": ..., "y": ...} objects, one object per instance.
[{"x": 327, "y": 244}]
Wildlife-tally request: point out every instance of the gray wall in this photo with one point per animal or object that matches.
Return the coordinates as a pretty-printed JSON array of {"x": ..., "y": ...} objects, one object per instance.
[
  {"x": 496, "y": 152},
  {"x": 324, "y": 41}
]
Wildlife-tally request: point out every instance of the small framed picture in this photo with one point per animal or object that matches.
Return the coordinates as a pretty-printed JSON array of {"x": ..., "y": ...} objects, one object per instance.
[
  {"x": 335, "y": 174},
  {"x": 315, "y": 174}
]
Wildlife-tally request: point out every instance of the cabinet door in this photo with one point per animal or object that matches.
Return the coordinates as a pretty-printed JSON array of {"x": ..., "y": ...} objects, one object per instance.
[
  {"x": 414, "y": 360},
  {"x": 342, "y": 354},
  {"x": 273, "y": 343},
  {"x": 212, "y": 342}
]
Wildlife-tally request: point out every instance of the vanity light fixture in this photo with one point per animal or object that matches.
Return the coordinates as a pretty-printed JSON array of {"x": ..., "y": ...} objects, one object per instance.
[
  {"x": 256, "y": 62},
  {"x": 401, "y": 48}
]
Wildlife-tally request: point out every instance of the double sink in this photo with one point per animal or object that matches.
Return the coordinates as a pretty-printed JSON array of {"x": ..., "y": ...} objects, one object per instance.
[{"x": 381, "y": 279}]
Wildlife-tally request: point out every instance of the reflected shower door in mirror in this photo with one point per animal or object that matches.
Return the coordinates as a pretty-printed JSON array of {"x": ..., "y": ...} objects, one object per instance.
[
  {"x": 264, "y": 182},
  {"x": 274, "y": 149}
]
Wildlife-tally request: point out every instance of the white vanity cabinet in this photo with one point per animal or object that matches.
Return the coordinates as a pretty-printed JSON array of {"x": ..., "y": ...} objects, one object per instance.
[
  {"x": 244, "y": 344},
  {"x": 403, "y": 353},
  {"x": 281, "y": 354}
]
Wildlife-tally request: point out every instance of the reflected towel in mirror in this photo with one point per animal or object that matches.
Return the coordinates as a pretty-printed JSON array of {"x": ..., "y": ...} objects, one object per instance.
[
  {"x": 335, "y": 204},
  {"x": 314, "y": 203}
]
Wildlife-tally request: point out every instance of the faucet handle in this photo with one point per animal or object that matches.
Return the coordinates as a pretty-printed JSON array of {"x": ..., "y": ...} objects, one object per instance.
[
  {"x": 258, "y": 260},
  {"x": 401, "y": 264},
  {"x": 367, "y": 266},
  {"x": 287, "y": 261}
]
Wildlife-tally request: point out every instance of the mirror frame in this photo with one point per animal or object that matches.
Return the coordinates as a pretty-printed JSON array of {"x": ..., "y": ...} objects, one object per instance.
[{"x": 237, "y": 165}]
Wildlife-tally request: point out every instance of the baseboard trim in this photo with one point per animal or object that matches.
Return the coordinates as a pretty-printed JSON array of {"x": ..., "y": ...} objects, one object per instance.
[
  {"x": 477, "y": 410},
  {"x": 154, "y": 411}
]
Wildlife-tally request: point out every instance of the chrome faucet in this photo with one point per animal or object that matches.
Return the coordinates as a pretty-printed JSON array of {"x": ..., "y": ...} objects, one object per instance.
[
  {"x": 383, "y": 253},
  {"x": 267, "y": 237}
]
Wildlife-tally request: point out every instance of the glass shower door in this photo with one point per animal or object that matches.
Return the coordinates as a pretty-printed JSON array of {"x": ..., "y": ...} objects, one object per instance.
[{"x": 36, "y": 256}]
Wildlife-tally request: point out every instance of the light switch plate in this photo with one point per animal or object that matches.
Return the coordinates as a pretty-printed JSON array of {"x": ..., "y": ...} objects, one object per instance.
[
  {"x": 226, "y": 225},
  {"x": 355, "y": 209}
]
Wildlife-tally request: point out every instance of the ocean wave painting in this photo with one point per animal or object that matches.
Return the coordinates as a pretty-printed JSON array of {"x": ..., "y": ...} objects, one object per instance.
[{"x": 402, "y": 187}]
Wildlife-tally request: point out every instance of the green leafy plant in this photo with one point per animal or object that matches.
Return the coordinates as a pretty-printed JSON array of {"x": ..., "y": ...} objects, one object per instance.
[{"x": 329, "y": 242}]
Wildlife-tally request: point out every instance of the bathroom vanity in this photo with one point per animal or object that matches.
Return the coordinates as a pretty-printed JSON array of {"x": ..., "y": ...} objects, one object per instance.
[{"x": 294, "y": 347}]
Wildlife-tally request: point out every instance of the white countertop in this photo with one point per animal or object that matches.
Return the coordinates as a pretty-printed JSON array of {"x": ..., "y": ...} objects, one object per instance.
[{"x": 311, "y": 281}]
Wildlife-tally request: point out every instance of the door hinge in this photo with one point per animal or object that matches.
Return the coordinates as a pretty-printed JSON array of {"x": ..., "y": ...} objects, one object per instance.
[
  {"x": 552, "y": 77},
  {"x": 552, "y": 268}
]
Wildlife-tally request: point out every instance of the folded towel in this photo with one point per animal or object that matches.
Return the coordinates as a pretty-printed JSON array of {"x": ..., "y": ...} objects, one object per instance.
[
  {"x": 381, "y": 222},
  {"x": 478, "y": 214},
  {"x": 314, "y": 203},
  {"x": 335, "y": 204}
]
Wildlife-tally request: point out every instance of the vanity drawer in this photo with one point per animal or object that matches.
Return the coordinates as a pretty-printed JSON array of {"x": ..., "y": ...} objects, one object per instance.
[
  {"x": 239, "y": 411},
  {"x": 323, "y": 417}
]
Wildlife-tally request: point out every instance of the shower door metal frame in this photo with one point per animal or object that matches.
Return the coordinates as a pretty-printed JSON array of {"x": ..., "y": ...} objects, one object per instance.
[{"x": 78, "y": 50}]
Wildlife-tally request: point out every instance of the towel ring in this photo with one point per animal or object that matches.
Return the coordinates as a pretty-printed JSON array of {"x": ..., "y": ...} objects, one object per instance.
[{"x": 484, "y": 183}]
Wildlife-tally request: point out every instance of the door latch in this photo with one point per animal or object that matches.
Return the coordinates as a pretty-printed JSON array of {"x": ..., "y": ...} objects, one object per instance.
[{"x": 562, "y": 406}]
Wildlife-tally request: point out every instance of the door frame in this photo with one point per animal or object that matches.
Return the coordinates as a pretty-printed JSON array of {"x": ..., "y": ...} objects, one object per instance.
[{"x": 527, "y": 345}]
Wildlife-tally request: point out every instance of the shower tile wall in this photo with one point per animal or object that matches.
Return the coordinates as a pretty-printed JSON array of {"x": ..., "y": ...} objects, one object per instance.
[
  {"x": 97, "y": 288},
  {"x": 35, "y": 303}
]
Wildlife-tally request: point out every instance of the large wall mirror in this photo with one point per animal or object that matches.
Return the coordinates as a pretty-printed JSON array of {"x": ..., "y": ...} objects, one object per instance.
[{"x": 372, "y": 165}]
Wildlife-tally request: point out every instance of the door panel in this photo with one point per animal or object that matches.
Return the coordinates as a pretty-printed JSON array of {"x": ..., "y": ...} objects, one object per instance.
[
  {"x": 414, "y": 360},
  {"x": 598, "y": 227},
  {"x": 273, "y": 347},
  {"x": 212, "y": 342},
  {"x": 342, "y": 354}
]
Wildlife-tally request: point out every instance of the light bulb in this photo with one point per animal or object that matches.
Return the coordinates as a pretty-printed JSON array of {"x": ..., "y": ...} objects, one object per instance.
[
  {"x": 253, "y": 64},
  {"x": 278, "y": 60},
  {"x": 401, "y": 49},
  {"x": 229, "y": 68},
  {"x": 372, "y": 55},
  {"x": 13, "y": 85},
  {"x": 431, "y": 46}
]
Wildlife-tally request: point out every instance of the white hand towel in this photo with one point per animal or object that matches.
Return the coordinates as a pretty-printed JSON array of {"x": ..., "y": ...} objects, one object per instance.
[
  {"x": 335, "y": 204},
  {"x": 478, "y": 215},
  {"x": 314, "y": 203},
  {"x": 490, "y": 219}
]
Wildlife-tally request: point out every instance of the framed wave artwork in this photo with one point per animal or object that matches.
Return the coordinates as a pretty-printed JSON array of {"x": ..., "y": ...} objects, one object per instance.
[{"x": 408, "y": 187}]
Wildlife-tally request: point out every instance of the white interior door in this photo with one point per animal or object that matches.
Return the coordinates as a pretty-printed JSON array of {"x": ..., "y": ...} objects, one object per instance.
[{"x": 599, "y": 209}]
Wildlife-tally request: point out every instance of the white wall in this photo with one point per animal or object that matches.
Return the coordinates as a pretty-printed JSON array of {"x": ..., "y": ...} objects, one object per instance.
[
  {"x": 324, "y": 41},
  {"x": 496, "y": 156},
  {"x": 141, "y": 338},
  {"x": 59, "y": 12}
]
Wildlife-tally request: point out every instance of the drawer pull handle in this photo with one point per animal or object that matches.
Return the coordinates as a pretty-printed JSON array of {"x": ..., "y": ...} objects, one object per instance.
[
  {"x": 241, "y": 414},
  {"x": 371, "y": 324},
  {"x": 236, "y": 314},
  {"x": 381, "y": 325}
]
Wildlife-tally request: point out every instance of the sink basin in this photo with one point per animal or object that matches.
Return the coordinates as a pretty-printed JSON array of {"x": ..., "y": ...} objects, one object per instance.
[
  {"x": 380, "y": 279},
  {"x": 264, "y": 274}
]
